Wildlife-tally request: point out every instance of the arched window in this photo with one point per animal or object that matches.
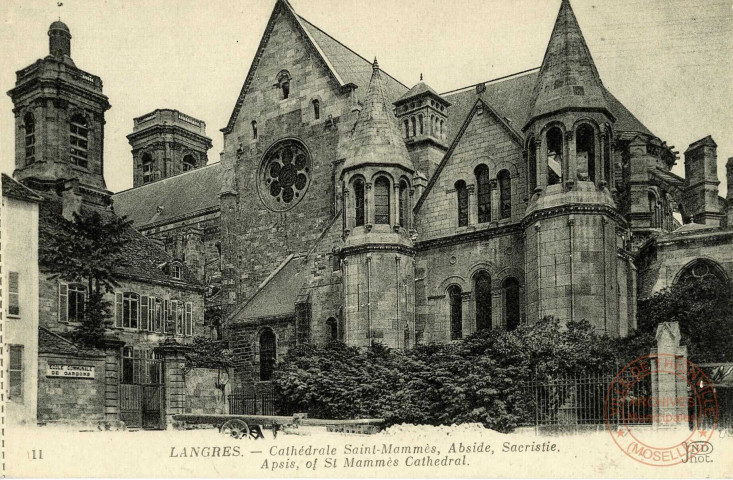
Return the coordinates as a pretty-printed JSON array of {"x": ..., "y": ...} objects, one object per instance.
[
  {"x": 483, "y": 188},
  {"x": 148, "y": 168},
  {"x": 381, "y": 201},
  {"x": 189, "y": 163},
  {"x": 462, "y": 194},
  {"x": 607, "y": 163},
  {"x": 268, "y": 355},
  {"x": 585, "y": 145},
  {"x": 482, "y": 294},
  {"x": 505, "y": 194},
  {"x": 414, "y": 126},
  {"x": 254, "y": 129},
  {"x": 554, "y": 156},
  {"x": 29, "y": 123},
  {"x": 404, "y": 204},
  {"x": 511, "y": 303},
  {"x": 316, "y": 109},
  {"x": 531, "y": 166},
  {"x": 420, "y": 119},
  {"x": 442, "y": 132},
  {"x": 456, "y": 312},
  {"x": 655, "y": 217},
  {"x": 407, "y": 128},
  {"x": 359, "y": 211},
  {"x": 79, "y": 140},
  {"x": 702, "y": 270},
  {"x": 332, "y": 329}
]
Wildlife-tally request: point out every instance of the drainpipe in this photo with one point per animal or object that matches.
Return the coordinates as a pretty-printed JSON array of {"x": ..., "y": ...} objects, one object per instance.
[{"x": 369, "y": 295}]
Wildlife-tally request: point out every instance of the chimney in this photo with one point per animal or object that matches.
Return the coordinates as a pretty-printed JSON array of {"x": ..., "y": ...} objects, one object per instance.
[{"x": 700, "y": 197}]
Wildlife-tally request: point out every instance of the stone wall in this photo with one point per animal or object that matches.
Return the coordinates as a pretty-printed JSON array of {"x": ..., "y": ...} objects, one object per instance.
[
  {"x": 244, "y": 342},
  {"x": 71, "y": 400},
  {"x": 202, "y": 396}
]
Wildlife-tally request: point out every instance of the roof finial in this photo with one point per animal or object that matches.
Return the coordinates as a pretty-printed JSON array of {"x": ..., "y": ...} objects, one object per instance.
[
  {"x": 375, "y": 65},
  {"x": 59, "y": 4},
  {"x": 421, "y": 76}
]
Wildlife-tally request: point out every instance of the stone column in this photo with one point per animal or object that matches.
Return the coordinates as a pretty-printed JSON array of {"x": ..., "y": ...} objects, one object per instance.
[
  {"x": 494, "y": 187},
  {"x": 570, "y": 160},
  {"x": 669, "y": 378},
  {"x": 472, "y": 205},
  {"x": 542, "y": 164},
  {"x": 395, "y": 204},
  {"x": 368, "y": 203},
  {"x": 348, "y": 218},
  {"x": 174, "y": 358},
  {"x": 112, "y": 351}
]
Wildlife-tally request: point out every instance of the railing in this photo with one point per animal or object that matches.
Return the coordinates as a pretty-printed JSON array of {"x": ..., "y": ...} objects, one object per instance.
[
  {"x": 580, "y": 401},
  {"x": 251, "y": 403},
  {"x": 189, "y": 119}
]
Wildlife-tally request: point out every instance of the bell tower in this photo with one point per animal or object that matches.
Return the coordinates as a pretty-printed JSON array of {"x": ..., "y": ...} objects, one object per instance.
[
  {"x": 377, "y": 252},
  {"x": 59, "y": 119},
  {"x": 573, "y": 229}
]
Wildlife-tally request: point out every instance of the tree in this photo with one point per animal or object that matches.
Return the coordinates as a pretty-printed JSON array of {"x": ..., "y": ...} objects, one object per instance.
[
  {"x": 704, "y": 311},
  {"x": 86, "y": 250},
  {"x": 213, "y": 354}
]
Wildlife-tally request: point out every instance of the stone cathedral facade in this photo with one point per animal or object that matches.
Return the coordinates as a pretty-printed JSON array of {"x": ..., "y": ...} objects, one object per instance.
[{"x": 349, "y": 206}]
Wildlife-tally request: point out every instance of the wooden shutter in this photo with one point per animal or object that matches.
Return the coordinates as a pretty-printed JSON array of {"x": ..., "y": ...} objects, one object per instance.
[
  {"x": 63, "y": 302},
  {"x": 118, "y": 309},
  {"x": 144, "y": 312},
  {"x": 189, "y": 319},
  {"x": 174, "y": 316},
  {"x": 166, "y": 313}
]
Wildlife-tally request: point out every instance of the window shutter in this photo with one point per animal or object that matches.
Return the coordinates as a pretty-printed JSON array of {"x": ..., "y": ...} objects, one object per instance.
[
  {"x": 143, "y": 312},
  {"x": 189, "y": 319},
  {"x": 13, "y": 293},
  {"x": 151, "y": 314},
  {"x": 118, "y": 309},
  {"x": 174, "y": 317},
  {"x": 166, "y": 309},
  {"x": 63, "y": 302}
]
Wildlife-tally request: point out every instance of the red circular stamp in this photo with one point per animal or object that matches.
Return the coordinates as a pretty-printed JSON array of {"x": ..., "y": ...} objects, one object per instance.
[{"x": 660, "y": 409}]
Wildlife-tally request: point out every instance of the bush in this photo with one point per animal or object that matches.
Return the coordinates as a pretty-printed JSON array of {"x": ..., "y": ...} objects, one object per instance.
[{"x": 479, "y": 379}]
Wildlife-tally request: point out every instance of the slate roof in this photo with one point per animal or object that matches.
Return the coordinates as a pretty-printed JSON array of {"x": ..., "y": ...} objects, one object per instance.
[
  {"x": 277, "y": 295},
  {"x": 51, "y": 343},
  {"x": 142, "y": 259},
  {"x": 15, "y": 189},
  {"x": 352, "y": 67},
  {"x": 420, "y": 88},
  {"x": 168, "y": 199},
  {"x": 511, "y": 97}
]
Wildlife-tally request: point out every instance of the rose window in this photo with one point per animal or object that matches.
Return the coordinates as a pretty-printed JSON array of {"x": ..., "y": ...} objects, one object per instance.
[{"x": 284, "y": 175}]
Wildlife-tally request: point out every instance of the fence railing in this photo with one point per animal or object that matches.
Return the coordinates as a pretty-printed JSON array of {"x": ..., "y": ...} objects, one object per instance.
[
  {"x": 580, "y": 401},
  {"x": 251, "y": 403}
]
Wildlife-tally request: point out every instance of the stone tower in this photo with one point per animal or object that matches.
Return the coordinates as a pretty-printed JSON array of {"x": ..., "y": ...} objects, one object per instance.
[
  {"x": 59, "y": 120},
  {"x": 700, "y": 195},
  {"x": 423, "y": 121},
  {"x": 165, "y": 143},
  {"x": 572, "y": 227},
  {"x": 377, "y": 253}
]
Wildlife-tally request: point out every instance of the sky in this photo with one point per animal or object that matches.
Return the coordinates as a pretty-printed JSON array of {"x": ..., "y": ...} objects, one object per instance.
[{"x": 669, "y": 61}]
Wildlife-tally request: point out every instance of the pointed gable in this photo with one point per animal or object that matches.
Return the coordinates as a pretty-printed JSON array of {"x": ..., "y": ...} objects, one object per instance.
[
  {"x": 568, "y": 77},
  {"x": 376, "y": 138}
]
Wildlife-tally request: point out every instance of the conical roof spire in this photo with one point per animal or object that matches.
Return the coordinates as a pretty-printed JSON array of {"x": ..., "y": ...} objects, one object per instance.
[
  {"x": 376, "y": 138},
  {"x": 568, "y": 77}
]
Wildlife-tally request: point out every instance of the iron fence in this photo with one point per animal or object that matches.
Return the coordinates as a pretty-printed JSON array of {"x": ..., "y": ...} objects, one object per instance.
[
  {"x": 579, "y": 401},
  {"x": 243, "y": 402}
]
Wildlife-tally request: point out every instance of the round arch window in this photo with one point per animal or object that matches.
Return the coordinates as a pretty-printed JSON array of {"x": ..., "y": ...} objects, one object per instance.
[{"x": 284, "y": 175}]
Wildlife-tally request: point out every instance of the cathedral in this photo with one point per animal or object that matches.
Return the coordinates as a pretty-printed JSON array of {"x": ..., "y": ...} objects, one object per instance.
[{"x": 348, "y": 206}]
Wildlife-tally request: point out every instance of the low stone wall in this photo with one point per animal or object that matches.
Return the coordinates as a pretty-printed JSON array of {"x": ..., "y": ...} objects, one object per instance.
[
  {"x": 68, "y": 399},
  {"x": 202, "y": 396}
]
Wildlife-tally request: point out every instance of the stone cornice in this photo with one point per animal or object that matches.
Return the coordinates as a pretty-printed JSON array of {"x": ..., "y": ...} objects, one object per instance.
[
  {"x": 474, "y": 236},
  {"x": 60, "y": 87},
  {"x": 574, "y": 209},
  {"x": 172, "y": 129},
  {"x": 377, "y": 247}
]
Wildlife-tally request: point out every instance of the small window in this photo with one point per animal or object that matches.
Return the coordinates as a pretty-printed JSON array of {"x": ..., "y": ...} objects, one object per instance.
[
  {"x": 505, "y": 194},
  {"x": 554, "y": 156},
  {"x": 29, "y": 124},
  {"x": 77, "y": 297},
  {"x": 332, "y": 328},
  {"x": 189, "y": 163},
  {"x": 420, "y": 121},
  {"x": 158, "y": 315},
  {"x": 407, "y": 128},
  {"x": 381, "y": 201},
  {"x": 456, "y": 312},
  {"x": 14, "y": 294},
  {"x": 176, "y": 271},
  {"x": 15, "y": 380},
  {"x": 268, "y": 355},
  {"x": 462, "y": 196},
  {"x": 483, "y": 182},
  {"x": 586, "y": 153},
  {"x": 532, "y": 166},
  {"x": 79, "y": 141},
  {"x": 359, "y": 212},
  {"x": 283, "y": 80},
  {"x": 316, "y": 109},
  {"x": 254, "y": 129},
  {"x": 148, "y": 168},
  {"x": 404, "y": 204},
  {"x": 130, "y": 310},
  {"x": 414, "y": 126}
]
